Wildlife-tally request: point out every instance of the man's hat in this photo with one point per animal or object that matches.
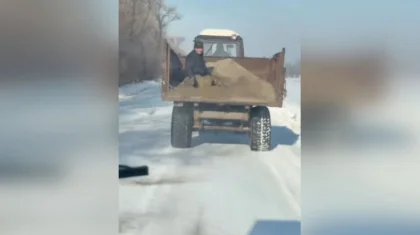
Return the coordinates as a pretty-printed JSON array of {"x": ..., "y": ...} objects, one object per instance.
[{"x": 198, "y": 44}]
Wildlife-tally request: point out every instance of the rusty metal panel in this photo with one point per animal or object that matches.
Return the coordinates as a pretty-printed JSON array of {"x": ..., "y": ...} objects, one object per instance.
[
  {"x": 166, "y": 71},
  {"x": 221, "y": 115},
  {"x": 223, "y": 128},
  {"x": 243, "y": 102}
]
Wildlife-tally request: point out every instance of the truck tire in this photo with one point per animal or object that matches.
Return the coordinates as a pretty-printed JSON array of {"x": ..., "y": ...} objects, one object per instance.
[
  {"x": 260, "y": 129},
  {"x": 181, "y": 126}
]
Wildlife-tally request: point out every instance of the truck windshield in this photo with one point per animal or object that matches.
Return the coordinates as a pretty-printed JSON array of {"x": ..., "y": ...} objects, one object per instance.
[{"x": 220, "y": 49}]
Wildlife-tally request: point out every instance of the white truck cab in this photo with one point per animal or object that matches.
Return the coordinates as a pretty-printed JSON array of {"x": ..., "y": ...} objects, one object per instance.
[{"x": 221, "y": 43}]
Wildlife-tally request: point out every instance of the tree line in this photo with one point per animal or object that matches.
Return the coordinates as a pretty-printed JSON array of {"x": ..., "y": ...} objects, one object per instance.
[
  {"x": 293, "y": 69},
  {"x": 142, "y": 30}
]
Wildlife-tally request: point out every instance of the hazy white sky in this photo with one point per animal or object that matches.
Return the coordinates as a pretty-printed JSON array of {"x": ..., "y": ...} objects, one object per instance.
[
  {"x": 265, "y": 25},
  {"x": 269, "y": 25}
]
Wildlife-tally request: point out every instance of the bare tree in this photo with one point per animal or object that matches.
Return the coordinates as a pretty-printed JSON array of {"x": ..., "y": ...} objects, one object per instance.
[
  {"x": 164, "y": 16},
  {"x": 143, "y": 25}
]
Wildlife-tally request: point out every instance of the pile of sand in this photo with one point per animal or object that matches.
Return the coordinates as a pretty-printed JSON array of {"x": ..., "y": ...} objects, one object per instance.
[{"x": 233, "y": 82}]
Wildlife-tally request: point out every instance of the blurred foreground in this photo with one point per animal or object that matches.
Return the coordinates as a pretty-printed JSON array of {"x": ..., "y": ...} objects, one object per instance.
[{"x": 360, "y": 133}]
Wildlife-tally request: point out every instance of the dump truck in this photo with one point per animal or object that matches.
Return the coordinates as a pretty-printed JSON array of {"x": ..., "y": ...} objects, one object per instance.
[{"x": 224, "y": 111}]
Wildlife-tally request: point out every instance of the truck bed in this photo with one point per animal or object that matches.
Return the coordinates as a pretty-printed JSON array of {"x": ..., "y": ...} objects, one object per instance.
[{"x": 270, "y": 71}]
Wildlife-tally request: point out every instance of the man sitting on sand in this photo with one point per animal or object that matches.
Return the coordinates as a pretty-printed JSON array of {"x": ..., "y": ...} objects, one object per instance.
[{"x": 195, "y": 64}]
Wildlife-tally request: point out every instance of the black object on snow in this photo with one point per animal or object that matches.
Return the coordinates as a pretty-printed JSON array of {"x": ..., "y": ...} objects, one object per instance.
[{"x": 128, "y": 171}]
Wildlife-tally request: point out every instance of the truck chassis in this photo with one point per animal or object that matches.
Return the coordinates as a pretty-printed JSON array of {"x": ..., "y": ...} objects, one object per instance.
[{"x": 188, "y": 117}]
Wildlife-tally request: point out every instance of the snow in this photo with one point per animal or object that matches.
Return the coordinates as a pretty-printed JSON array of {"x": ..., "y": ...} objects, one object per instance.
[
  {"x": 217, "y": 187},
  {"x": 218, "y": 32}
]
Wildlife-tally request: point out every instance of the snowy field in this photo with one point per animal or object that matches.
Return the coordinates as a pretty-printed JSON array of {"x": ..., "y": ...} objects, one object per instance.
[{"x": 218, "y": 187}]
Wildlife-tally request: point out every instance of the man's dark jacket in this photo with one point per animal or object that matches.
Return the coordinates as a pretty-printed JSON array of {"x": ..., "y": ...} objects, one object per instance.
[{"x": 195, "y": 65}]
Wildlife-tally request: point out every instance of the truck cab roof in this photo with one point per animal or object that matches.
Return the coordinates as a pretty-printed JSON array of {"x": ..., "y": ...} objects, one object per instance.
[{"x": 218, "y": 33}]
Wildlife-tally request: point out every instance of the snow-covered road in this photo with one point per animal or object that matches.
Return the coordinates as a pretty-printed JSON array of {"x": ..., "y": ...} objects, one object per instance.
[{"x": 217, "y": 187}]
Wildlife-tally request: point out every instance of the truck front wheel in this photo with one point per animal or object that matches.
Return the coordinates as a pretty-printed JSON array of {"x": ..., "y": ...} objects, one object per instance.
[
  {"x": 181, "y": 126},
  {"x": 260, "y": 129}
]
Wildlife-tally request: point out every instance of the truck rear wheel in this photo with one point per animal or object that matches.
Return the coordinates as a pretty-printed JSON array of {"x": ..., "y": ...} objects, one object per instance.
[
  {"x": 260, "y": 129},
  {"x": 181, "y": 126}
]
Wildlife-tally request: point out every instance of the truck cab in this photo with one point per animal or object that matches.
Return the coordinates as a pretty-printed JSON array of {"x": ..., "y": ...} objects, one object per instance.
[{"x": 221, "y": 43}]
